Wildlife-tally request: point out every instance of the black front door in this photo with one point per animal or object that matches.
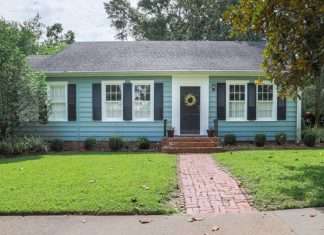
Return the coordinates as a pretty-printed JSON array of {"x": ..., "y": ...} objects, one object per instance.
[{"x": 190, "y": 110}]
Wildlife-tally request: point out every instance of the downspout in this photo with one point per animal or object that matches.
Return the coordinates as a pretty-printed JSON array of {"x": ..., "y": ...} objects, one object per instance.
[{"x": 299, "y": 117}]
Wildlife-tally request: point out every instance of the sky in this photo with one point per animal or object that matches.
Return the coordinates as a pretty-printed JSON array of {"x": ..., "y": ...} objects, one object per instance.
[{"x": 87, "y": 18}]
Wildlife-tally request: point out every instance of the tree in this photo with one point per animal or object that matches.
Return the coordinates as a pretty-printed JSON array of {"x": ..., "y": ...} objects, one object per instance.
[
  {"x": 69, "y": 37},
  {"x": 294, "y": 30},
  {"x": 22, "y": 91},
  {"x": 54, "y": 33},
  {"x": 172, "y": 20}
]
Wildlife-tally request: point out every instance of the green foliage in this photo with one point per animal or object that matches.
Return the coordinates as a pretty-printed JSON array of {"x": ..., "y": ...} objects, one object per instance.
[
  {"x": 143, "y": 143},
  {"x": 309, "y": 137},
  {"x": 23, "y": 91},
  {"x": 281, "y": 138},
  {"x": 87, "y": 183},
  {"x": 172, "y": 20},
  {"x": 309, "y": 99},
  {"x": 293, "y": 55},
  {"x": 260, "y": 140},
  {"x": 51, "y": 49},
  {"x": 279, "y": 179},
  {"x": 116, "y": 143},
  {"x": 22, "y": 145},
  {"x": 229, "y": 139},
  {"x": 57, "y": 145},
  {"x": 90, "y": 144}
]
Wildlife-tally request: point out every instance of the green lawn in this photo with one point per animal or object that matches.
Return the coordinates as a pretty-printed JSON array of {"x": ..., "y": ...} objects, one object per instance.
[
  {"x": 89, "y": 183},
  {"x": 279, "y": 179}
]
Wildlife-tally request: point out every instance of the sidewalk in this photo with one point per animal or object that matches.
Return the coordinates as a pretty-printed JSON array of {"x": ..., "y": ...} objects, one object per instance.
[{"x": 298, "y": 222}]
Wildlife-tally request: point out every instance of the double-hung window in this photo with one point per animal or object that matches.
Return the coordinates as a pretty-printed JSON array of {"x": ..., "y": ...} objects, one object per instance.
[
  {"x": 112, "y": 101},
  {"x": 236, "y": 96},
  {"x": 57, "y": 95},
  {"x": 143, "y": 94},
  {"x": 265, "y": 102}
]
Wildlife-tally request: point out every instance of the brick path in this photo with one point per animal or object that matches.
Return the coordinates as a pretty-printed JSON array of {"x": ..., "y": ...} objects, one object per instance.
[{"x": 207, "y": 189}]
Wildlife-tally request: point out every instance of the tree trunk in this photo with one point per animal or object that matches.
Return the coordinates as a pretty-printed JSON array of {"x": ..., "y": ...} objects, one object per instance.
[{"x": 318, "y": 94}]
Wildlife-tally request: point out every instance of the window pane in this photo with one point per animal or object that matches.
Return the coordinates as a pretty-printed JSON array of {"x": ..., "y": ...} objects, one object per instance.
[
  {"x": 142, "y": 103},
  {"x": 113, "y": 92},
  {"x": 237, "y": 109},
  {"x": 264, "y": 109}
]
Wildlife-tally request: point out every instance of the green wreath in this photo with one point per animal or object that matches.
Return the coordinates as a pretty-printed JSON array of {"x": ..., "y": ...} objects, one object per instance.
[{"x": 190, "y": 100}]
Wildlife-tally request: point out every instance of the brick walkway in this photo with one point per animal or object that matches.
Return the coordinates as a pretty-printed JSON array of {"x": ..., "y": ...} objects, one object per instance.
[{"x": 207, "y": 189}]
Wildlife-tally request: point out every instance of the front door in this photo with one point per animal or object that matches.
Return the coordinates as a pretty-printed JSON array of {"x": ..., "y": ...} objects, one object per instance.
[{"x": 190, "y": 110}]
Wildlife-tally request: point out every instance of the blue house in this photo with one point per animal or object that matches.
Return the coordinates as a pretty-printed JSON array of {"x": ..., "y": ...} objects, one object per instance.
[{"x": 135, "y": 89}]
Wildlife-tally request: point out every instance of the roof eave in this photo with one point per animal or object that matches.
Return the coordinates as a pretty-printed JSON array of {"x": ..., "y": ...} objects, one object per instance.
[{"x": 215, "y": 73}]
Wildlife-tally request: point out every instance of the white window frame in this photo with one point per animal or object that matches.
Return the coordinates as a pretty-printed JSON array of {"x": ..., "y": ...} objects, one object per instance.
[
  {"x": 143, "y": 82},
  {"x": 65, "y": 84},
  {"x": 228, "y": 84},
  {"x": 274, "y": 102},
  {"x": 103, "y": 101}
]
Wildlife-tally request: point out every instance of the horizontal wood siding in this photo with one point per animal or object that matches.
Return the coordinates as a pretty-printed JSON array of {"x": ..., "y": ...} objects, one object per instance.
[
  {"x": 85, "y": 127},
  {"x": 246, "y": 130}
]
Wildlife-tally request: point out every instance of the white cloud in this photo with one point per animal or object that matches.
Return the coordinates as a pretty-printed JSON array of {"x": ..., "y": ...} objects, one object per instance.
[{"x": 87, "y": 18}]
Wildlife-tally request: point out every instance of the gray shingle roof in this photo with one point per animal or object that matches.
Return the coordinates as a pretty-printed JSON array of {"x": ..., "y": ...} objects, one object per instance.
[{"x": 154, "y": 56}]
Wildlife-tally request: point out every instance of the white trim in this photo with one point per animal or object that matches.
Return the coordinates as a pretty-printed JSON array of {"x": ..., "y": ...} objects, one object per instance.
[
  {"x": 143, "y": 82},
  {"x": 236, "y": 82},
  {"x": 299, "y": 118},
  {"x": 182, "y": 80},
  {"x": 66, "y": 100},
  {"x": 104, "y": 83}
]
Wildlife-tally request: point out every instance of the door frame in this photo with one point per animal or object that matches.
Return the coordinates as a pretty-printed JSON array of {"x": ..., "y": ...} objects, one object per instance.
[{"x": 183, "y": 80}]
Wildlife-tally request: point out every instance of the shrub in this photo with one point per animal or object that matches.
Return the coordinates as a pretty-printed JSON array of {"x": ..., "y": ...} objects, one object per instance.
[
  {"x": 20, "y": 145},
  {"x": 90, "y": 144},
  {"x": 309, "y": 138},
  {"x": 143, "y": 143},
  {"x": 260, "y": 140},
  {"x": 281, "y": 138},
  {"x": 116, "y": 143},
  {"x": 57, "y": 145},
  {"x": 229, "y": 139}
]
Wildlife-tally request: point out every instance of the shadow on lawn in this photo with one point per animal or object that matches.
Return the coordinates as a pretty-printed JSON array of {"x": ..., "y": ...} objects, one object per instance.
[
  {"x": 309, "y": 185},
  {"x": 15, "y": 159}
]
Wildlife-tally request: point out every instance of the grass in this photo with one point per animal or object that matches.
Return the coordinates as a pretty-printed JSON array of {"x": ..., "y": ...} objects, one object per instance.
[
  {"x": 279, "y": 179},
  {"x": 89, "y": 183}
]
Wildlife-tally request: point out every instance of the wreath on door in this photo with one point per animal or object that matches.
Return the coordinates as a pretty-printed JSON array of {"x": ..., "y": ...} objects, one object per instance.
[{"x": 190, "y": 100}]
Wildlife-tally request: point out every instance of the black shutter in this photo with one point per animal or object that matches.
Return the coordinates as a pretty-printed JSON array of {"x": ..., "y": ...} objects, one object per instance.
[
  {"x": 72, "y": 102},
  {"x": 251, "y": 92},
  {"x": 96, "y": 101},
  {"x": 158, "y": 101},
  {"x": 281, "y": 108},
  {"x": 221, "y": 101},
  {"x": 127, "y": 99}
]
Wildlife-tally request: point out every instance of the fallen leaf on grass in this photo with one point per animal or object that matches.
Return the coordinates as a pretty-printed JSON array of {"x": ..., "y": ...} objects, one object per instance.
[{"x": 145, "y": 187}]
